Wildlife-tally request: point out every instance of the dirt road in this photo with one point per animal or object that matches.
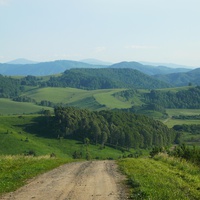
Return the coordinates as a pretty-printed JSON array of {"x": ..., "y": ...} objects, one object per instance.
[{"x": 92, "y": 180}]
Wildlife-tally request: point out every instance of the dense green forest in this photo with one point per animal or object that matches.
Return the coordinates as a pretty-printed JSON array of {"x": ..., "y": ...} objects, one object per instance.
[
  {"x": 119, "y": 129},
  {"x": 104, "y": 79},
  {"x": 182, "y": 99}
]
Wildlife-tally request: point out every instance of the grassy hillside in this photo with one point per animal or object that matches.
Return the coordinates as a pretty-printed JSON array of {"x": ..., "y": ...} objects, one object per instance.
[
  {"x": 91, "y": 99},
  {"x": 162, "y": 178},
  {"x": 8, "y": 106}
]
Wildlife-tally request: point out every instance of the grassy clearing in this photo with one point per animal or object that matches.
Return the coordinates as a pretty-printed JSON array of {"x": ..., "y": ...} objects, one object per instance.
[
  {"x": 8, "y": 106},
  {"x": 15, "y": 170},
  {"x": 162, "y": 178}
]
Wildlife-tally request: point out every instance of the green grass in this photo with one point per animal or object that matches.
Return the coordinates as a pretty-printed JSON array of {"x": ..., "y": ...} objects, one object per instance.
[
  {"x": 110, "y": 101},
  {"x": 8, "y": 106},
  {"x": 15, "y": 170},
  {"x": 161, "y": 178}
]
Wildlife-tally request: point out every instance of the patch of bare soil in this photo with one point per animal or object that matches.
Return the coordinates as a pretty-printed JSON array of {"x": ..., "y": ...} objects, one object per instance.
[{"x": 91, "y": 180}]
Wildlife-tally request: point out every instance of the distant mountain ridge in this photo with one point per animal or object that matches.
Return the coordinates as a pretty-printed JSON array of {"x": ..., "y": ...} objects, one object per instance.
[
  {"x": 59, "y": 66},
  {"x": 171, "y": 65},
  {"x": 148, "y": 69},
  {"x": 43, "y": 68},
  {"x": 95, "y": 62}
]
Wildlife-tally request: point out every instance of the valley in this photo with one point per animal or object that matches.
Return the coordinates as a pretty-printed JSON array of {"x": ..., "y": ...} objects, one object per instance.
[{"x": 104, "y": 115}]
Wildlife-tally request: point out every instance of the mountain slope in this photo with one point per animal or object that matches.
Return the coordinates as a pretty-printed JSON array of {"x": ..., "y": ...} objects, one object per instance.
[{"x": 181, "y": 79}]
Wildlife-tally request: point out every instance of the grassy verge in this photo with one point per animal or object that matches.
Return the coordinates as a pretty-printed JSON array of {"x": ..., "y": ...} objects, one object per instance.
[
  {"x": 15, "y": 170},
  {"x": 162, "y": 178}
]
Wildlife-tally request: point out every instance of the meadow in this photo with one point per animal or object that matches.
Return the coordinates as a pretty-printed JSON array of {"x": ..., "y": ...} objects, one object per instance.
[
  {"x": 164, "y": 178},
  {"x": 9, "y": 107}
]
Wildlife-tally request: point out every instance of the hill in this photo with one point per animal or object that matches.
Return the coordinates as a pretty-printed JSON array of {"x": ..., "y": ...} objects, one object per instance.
[
  {"x": 181, "y": 79},
  {"x": 43, "y": 68},
  {"x": 21, "y": 61},
  {"x": 105, "y": 78},
  {"x": 148, "y": 69}
]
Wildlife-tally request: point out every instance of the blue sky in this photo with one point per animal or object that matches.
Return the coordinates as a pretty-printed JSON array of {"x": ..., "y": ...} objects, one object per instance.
[{"x": 110, "y": 30}]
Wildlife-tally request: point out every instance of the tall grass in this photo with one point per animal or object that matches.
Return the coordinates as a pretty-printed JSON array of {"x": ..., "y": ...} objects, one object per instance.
[{"x": 161, "y": 178}]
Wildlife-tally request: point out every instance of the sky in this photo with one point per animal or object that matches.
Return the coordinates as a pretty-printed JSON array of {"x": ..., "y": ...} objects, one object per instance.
[{"x": 166, "y": 31}]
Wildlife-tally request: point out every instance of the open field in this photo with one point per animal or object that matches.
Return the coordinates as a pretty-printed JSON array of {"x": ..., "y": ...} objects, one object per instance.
[
  {"x": 162, "y": 178},
  {"x": 8, "y": 106}
]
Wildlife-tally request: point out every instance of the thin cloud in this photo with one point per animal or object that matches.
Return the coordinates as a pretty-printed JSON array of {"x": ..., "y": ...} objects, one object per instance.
[{"x": 140, "y": 47}]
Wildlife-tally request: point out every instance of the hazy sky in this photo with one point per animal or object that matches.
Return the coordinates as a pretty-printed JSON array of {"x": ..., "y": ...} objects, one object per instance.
[{"x": 109, "y": 30}]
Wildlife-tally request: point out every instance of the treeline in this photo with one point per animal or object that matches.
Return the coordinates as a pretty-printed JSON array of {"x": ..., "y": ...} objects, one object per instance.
[
  {"x": 182, "y": 99},
  {"x": 190, "y": 128},
  {"x": 9, "y": 87},
  {"x": 188, "y": 117},
  {"x": 118, "y": 129},
  {"x": 126, "y": 94}
]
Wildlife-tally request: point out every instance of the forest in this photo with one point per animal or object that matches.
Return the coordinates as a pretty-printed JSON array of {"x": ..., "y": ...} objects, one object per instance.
[{"x": 118, "y": 129}]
